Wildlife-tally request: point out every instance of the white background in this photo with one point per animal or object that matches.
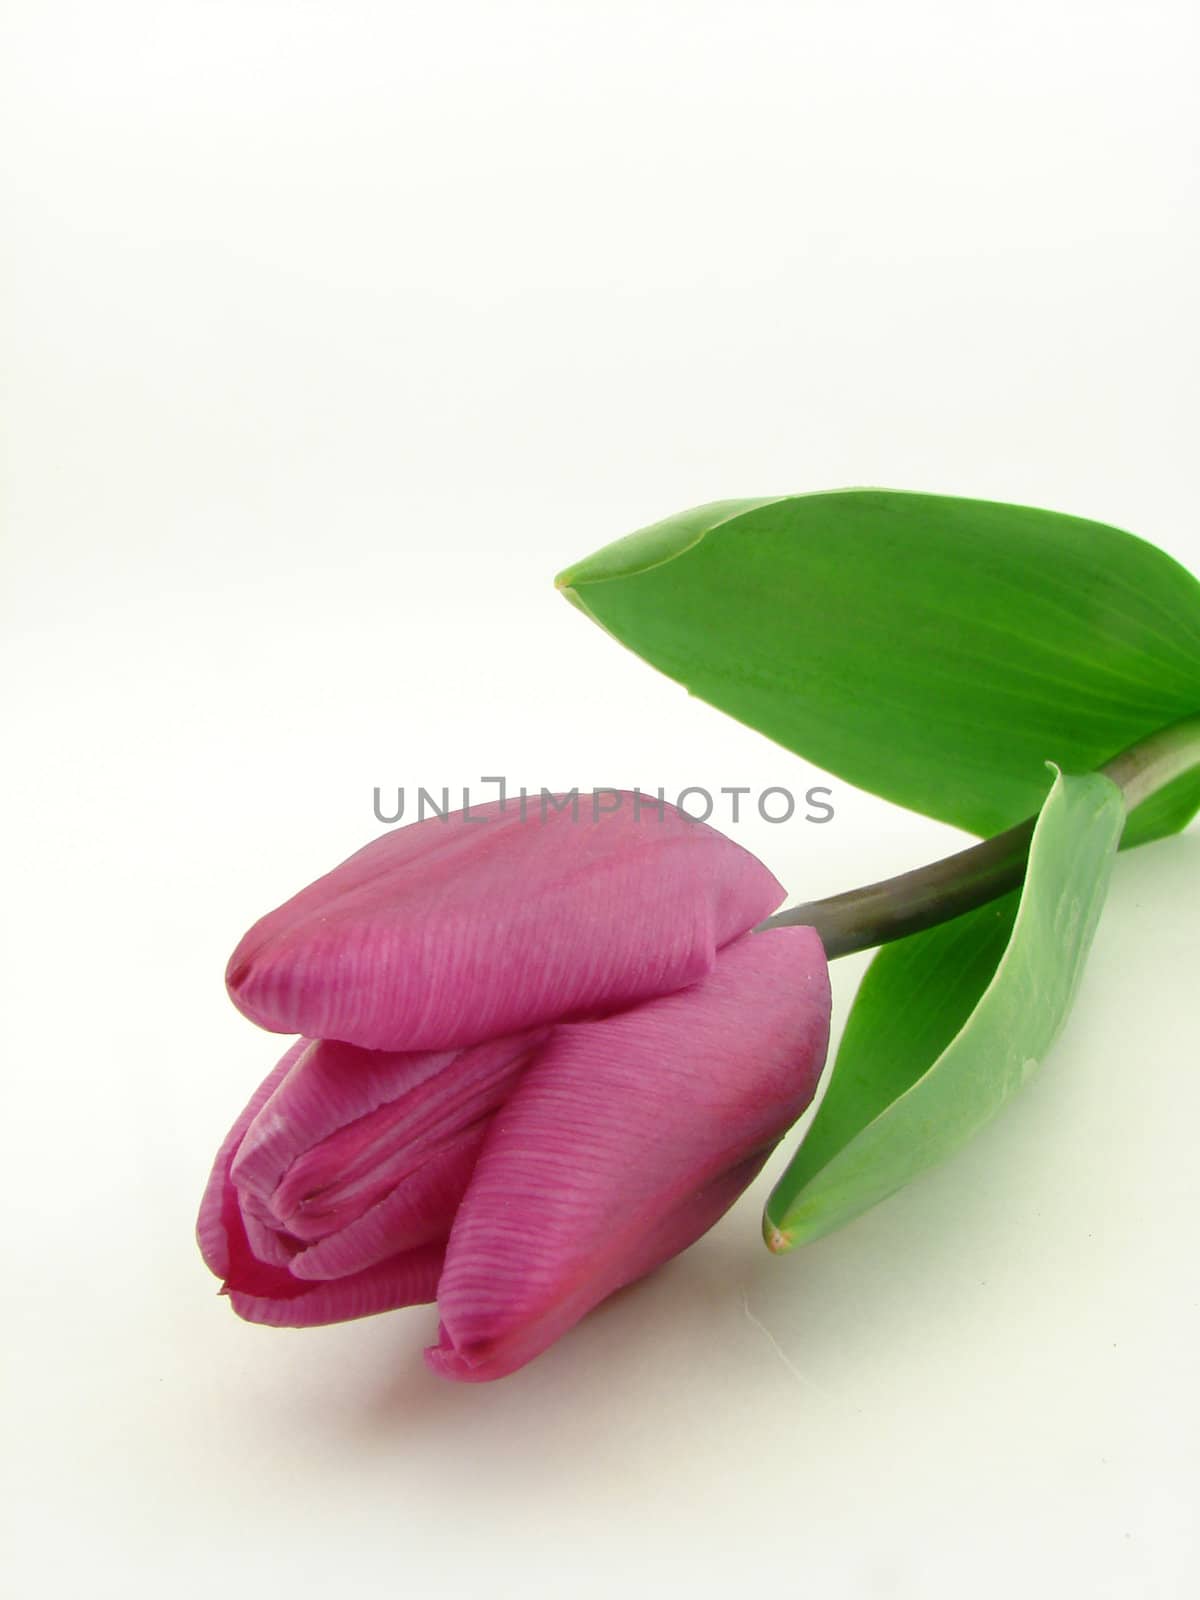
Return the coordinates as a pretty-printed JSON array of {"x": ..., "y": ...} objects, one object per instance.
[{"x": 333, "y": 331}]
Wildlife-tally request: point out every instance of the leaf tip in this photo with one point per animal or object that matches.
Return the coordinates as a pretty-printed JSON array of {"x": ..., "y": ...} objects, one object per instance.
[
  {"x": 777, "y": 1240},
  {"x": 565, "y": 584}
]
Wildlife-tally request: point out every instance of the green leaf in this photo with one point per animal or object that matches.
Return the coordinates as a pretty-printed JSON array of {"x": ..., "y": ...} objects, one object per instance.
[
  {"x": 949, "y": 1023},
  {"x": 1166, "y": 812},
  {"x": 935, "y": 651}
]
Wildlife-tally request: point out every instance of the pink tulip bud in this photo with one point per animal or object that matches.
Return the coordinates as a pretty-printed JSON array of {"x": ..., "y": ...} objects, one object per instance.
[{"x": 638, "y": 1070}]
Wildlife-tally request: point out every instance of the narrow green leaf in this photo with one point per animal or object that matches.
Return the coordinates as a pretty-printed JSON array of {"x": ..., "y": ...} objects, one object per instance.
[
  {"x": 935, "y": 651},
  {"x": 949, "y": 1023},
  {"x": 1166, "y": 812}
]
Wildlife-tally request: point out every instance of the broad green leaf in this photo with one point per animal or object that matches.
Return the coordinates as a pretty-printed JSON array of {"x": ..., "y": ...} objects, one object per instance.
[
  {"x": 948, "y": 1024},
  {"x": 935, "y": 651}
]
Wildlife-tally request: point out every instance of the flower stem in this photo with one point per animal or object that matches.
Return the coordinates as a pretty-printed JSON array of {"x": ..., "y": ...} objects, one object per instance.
[{"x": 881, "y": 912}]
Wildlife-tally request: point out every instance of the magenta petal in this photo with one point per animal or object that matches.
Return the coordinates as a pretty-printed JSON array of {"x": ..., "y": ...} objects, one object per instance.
[
  {"x": 410, "y": 1279},
  {"x": 346, "y": 1128},
  {"x": 267, "y": 1242},
  {"x": 623, "y": 1142},
  {"x": 243, "y": 1246},
  {"x": 333, "y": 1085},
  {"x": 674, "y": 1231},
  {"x": 219, "y": 1228},
  {"x": 419, "y": 1210},
  {"x": 454, "y": 930}
]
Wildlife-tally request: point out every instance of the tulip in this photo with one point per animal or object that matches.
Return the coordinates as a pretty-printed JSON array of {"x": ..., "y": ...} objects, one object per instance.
[{"x": 541, "y": 1055}]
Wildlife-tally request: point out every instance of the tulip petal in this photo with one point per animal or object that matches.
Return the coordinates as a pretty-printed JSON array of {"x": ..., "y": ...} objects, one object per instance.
[
  {"x": 252, "y": 1259},
  {"x": 333, "y": 1085},
  {"x": 219, "y": 1224},
  {"x": 418, "y": 1211},
  {"x": 346, "y": 1128},
  {"x": 625, "y": 1139},
  {"x": 267, "y": 1242},
  {"x": 458, "y": 929},
  {"x": 409, "y": 1279},
  {"x": 673, "y": 1232}
]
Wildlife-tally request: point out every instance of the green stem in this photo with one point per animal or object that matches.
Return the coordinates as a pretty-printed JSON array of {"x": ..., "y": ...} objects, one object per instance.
[{"x": 881, "y": 912}]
